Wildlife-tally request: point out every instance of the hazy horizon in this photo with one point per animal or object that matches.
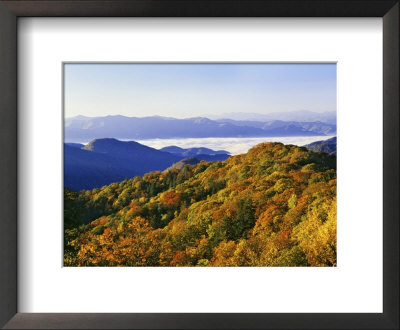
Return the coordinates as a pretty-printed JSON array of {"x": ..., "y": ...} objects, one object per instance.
[
  {"x": 197, "y": 90},
  {"x": 210, "y": 116}
]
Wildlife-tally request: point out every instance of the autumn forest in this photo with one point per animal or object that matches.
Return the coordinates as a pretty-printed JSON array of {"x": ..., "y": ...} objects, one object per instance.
[{"x": 274, "y": 206}]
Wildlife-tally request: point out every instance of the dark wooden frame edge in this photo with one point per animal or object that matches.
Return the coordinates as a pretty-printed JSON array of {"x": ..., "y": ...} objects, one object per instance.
[{"x": 9, "y": 13}]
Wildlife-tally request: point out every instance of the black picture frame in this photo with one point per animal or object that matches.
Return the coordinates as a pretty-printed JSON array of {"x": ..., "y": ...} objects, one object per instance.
[{"x": 9, "y": 13}]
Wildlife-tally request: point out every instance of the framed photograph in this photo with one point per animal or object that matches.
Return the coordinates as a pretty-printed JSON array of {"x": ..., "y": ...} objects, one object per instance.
[
  {"x": 151, "y": 179},
  {"x": 201, "y": 164}
]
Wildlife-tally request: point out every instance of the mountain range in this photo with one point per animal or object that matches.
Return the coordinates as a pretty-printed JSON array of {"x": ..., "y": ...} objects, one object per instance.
[
  {"x": 81, "y": 128},
  {"x": 103, "y": 161},
  {"x": 328, "y": 117},
  {"x": 282, "y": 127}
]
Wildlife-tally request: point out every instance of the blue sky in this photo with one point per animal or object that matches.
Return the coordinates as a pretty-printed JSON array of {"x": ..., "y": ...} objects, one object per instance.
[{"x": 189, "y": 90}]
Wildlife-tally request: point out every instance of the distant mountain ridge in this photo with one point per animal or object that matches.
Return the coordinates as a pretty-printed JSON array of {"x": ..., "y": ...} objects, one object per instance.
[
  {"x": 103, "y": 161},
  {"x": 81, "y": 128},
  {"x": 145, "y": 158},
  {"x": 274, "y": 125},
  {"x": 328, "y": 146},
  {"x": 300, "y": 115},
  {"x": 192, "y": 152},
  {"x": 182, "y": 163},
  {"x": 200, "y": 153}
]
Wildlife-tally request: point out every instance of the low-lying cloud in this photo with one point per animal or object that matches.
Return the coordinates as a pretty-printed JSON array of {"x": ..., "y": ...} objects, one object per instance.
[{"x": 234, "y": 145}]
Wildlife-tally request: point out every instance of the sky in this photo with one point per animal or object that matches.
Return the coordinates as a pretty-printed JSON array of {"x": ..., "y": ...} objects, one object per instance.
[{"x": 190, "y": 90}]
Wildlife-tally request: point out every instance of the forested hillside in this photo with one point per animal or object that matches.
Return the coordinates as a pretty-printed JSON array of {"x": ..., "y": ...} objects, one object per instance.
[
  {"x": 328, "y": 146},
  {"x": 273, "y": 206}
]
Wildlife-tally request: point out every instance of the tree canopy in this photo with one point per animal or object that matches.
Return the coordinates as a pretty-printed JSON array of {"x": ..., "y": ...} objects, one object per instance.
[{"x": 273, "y": 206}]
